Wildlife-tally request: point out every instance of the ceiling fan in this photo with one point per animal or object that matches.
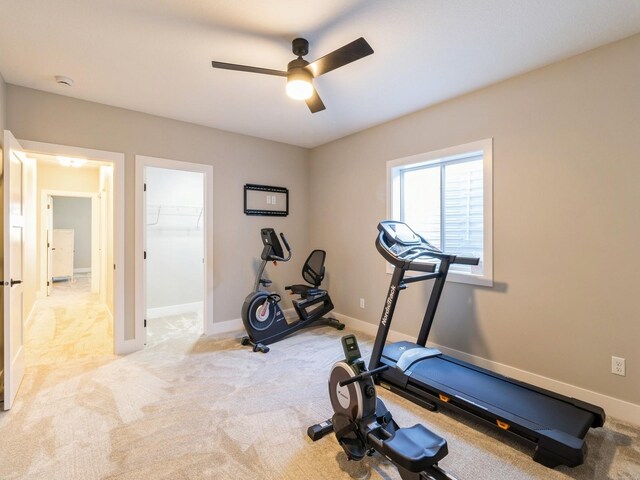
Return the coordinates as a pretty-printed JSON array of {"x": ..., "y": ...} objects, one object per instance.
[{"x": 300, "y": 73}]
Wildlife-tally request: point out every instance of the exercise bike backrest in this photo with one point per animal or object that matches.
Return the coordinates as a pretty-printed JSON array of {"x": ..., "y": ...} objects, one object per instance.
[{"x": 272, "y": 250}]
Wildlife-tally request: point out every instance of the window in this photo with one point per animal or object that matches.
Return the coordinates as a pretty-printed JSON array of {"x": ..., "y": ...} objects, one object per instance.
[{"x": 446, "y": 196}]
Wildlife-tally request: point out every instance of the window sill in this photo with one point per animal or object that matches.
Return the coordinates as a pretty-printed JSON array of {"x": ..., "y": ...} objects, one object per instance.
[
  {"x": 470, "y": 279},
  {"x": 456, "y": 277}
]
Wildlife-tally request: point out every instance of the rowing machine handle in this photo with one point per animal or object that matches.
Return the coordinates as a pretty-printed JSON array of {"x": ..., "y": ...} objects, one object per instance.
[{"x": 363, "y": 375}]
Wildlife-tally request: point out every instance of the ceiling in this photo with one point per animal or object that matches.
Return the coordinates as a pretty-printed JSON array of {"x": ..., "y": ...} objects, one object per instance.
[
  {"x": 154, "y": 56},
  {"x": 53, "y": 160}
]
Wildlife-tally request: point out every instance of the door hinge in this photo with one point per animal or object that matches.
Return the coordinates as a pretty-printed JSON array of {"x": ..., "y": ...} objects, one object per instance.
[
  {"x": 114, "y": 266},
  {"x": 48, "y": 207},
  {"x": 48, "y": 284},
  {"x": 145, "y": 255},
  {"x": 145, "y": 323},
  {"x": 145, "y": 187}
]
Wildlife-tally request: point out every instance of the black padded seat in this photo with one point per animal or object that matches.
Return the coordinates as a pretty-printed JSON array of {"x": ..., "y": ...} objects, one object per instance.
[
  {"x": 312, "y": 272},
  {"x": 304, "y": 290},
  {"x": 415, "y": 448}
]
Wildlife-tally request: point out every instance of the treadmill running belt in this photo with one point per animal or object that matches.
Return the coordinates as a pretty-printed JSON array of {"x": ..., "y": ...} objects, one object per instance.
[{"x": 485, "y": 389}]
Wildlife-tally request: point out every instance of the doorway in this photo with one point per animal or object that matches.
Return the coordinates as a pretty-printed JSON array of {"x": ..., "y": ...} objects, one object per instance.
[
  {"x": 71, "y": 319},
  {"x": 96, "y": 175},
  {"x": 174, "y": 225},
  {"x": 72, "y": 240},
  {"x": 22, "y": 182}
]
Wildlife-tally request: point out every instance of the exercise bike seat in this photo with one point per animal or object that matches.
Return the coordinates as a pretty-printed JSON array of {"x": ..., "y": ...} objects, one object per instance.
[
  {"x": 313, "y": 273},
  {"x": 305, "y": 290},
  {"x": 414, "y": 448}
]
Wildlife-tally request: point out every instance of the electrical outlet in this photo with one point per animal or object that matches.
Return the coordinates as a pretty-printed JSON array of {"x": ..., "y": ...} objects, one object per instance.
[
  {"x": 618, "y": 366},
  {"x": 362, "y": 303}
]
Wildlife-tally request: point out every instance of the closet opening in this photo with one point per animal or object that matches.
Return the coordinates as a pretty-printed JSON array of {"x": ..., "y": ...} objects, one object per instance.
[{"x": 173, "y": 271}]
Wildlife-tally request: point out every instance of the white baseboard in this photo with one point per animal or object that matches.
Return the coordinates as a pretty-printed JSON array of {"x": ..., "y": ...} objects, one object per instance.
[
  {"x": 227, "y": 326},
  {"x": 629, "y": 412},
  {"x": 237, "y": 325},
  {"x": 127, "y": 346},
  {"x": 174, "y": 310}
]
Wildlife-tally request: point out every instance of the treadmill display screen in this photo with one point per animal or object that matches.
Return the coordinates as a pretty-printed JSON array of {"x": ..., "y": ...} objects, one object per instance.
[
  {"x": 405, "y": 235},
  {"x": 401, "y": 233}
]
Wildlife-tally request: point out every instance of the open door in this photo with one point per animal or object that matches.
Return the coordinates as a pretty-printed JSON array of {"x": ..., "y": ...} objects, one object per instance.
[{"x": 13, "y": 236}]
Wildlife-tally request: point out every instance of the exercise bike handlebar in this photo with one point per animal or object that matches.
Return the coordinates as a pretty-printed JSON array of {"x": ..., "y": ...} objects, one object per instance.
[
  {"x": 363, "y": 375},
  {"x": 286, "y": 245},
  {"x": 274, "y": 258}
]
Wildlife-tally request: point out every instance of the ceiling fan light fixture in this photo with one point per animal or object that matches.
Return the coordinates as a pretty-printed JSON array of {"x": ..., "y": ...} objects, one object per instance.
[{"x": 299, "y": 84}]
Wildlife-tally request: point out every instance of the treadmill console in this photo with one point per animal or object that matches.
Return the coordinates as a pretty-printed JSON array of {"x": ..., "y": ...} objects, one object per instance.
[
  {"x": 400, "y": 240},
  {"x": 399, "y": 232}
]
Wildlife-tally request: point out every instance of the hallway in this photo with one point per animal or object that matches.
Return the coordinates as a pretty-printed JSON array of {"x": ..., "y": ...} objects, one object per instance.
[{"x": 69, "y": 324}]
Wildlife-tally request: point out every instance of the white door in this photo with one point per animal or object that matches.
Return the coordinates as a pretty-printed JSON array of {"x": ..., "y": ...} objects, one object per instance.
[
  {"x": 49, "y": 244},
  {"x": 13, "y": 231},
  {"x": 63, "y": 245}
]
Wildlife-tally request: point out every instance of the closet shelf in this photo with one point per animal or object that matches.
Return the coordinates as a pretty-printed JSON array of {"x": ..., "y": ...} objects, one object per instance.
[{"x": 155, "y": 212}]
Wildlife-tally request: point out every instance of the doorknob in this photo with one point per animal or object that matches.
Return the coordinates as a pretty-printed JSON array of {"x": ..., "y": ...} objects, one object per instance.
[{"x": 15, "y": 282}]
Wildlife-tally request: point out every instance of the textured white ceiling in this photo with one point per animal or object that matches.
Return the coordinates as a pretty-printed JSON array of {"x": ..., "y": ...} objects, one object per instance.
[{"x": 154, "y": 55}]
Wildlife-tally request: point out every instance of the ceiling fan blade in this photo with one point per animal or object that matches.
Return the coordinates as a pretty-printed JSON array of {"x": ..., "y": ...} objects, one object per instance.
[
  {"x": 344, "y": 55},
  {"x": 315, "y": 103},
  {"x": 245, "y": 68}
]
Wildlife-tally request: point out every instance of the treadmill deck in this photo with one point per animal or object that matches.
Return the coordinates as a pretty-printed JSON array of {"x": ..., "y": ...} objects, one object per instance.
[{"x": 535, "y": 408}]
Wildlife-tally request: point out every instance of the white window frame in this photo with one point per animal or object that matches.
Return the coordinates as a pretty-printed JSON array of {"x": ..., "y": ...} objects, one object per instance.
[{"x": 483, "y": 147}]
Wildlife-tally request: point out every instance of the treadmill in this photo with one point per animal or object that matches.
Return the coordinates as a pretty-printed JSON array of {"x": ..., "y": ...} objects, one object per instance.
[{"x": 553, "y": 424}]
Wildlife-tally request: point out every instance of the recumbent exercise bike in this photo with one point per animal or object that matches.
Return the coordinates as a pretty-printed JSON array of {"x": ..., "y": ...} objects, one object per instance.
[{"x": 262, "y": 316}]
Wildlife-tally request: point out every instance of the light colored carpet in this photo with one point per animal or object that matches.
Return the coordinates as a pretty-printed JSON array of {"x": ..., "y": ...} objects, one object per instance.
[
  {"x": 189, "y": 407},
  {"x": 69, "y": 324}
]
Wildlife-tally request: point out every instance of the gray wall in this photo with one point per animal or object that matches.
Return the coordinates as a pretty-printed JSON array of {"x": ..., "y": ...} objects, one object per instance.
[
  {"x": 75, "y": 213},
  {"x": 236, "y": 159},
  {"x": 566, "y": 223}
]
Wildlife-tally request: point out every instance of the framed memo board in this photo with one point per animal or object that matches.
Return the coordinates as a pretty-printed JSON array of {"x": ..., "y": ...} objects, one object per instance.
[{"x": 266, "y": 200}]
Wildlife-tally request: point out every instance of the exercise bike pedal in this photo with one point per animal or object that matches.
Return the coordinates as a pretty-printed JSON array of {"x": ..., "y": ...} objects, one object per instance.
[{"x": 245, "y": 341}]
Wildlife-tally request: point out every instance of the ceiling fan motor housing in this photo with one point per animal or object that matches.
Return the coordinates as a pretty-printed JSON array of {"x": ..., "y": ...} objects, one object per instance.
[
  {"x": 296, "y": 66},
  {"x": 300, "y": 47}
]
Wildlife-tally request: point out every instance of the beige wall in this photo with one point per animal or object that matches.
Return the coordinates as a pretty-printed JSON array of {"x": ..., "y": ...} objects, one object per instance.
[
  {"x": 236, "y": 159},
  {"x": 566, "y": 223},
  {"x": 106, "y": 193},
  {"x": 3, "y": 105}
]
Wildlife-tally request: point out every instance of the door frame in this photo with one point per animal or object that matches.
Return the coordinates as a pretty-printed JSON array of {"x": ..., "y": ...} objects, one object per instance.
[
  {"x": 96, "y": 270},
  {"x": 140, "y": 230},
  {"x": 122, "y": 344}
]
